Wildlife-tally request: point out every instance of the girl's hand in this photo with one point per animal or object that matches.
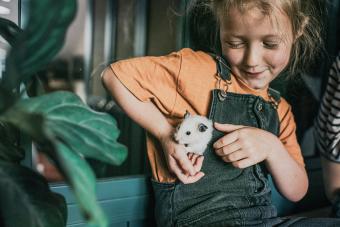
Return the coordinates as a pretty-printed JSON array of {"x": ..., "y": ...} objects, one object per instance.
[
  {"x": 196, "y": 160},
  {"x": 185, "y": 167},
  {"x": 244, "y": 146}
]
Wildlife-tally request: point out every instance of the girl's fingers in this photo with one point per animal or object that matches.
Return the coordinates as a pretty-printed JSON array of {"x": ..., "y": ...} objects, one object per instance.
[
  {"x": 228, "y": 149},
  {"x": 235, "y": 156},
  {"x": 193, "y": 157},
  {"x": 184, "y": 163},
  {"x": 227, "y": 127},
  {"x": 192, "y": 179},
  {"x": 196, "y": 160},
  {"x": 182, "y": 176},
  {"x": 190, "y": 155},
  {"x": 243, "y": 163},
  {"x": 199, "y": 162},
  {"x": 225, "y": 140}
]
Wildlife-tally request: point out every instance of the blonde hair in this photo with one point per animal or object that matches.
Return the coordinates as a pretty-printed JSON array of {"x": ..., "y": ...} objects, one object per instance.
[{"x": 305, "y": 20}]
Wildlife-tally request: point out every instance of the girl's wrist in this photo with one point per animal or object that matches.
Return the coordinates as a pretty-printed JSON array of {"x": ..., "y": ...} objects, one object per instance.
[{"x": 274, "y": 153}]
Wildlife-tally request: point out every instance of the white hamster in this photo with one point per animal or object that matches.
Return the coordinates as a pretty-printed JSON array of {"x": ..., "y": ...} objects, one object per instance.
[{"x": 194, "y": 132}]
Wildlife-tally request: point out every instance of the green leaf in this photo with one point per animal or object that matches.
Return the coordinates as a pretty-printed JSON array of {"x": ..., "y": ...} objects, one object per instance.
[
  {"x": 83, "y": 181},
  {"x": 97, "y": 147},
  {"x": 26, "y": 199},
  {"x": 30, "y": 123},
  {"x": 9, "y": 30},
  {"x": 62, "y": 121},
  {"x": 9, "y": 148},
  {"x": 66, "y": 117},
  {"x": 7, "y": 99},
  {"x": 10, "y": 152}
]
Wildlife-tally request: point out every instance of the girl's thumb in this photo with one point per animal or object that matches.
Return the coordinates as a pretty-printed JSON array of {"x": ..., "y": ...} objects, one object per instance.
[{"x": 227, "y": 127}]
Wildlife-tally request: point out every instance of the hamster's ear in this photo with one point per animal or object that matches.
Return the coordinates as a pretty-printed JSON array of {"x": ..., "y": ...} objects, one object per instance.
[
  {"x": 187, "y": 114},
  {"x": 202, "y": 127}
]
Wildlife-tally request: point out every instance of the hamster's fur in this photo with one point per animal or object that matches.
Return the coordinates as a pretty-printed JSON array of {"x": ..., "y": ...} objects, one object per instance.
[{"x": 194, "y": 132}]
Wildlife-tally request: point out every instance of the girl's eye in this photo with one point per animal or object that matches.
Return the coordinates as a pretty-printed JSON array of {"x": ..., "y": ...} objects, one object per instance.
[
  {"x": 235, "y": 45},
  {"x": 271, "y": 45}
]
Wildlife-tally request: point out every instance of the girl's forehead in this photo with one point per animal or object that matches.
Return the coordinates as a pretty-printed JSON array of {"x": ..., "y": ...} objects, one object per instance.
[
  {"x": 253, "y": 11},
  {"x": 254, "y": 18}
]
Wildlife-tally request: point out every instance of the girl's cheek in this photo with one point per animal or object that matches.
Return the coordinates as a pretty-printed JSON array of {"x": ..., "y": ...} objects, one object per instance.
[
  {"x": 234, "y": 56},
  {"x": 279, "y": 59}
]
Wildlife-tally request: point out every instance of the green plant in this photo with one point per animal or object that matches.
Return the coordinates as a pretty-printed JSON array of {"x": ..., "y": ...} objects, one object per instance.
[{"x": 63, "y": 127}]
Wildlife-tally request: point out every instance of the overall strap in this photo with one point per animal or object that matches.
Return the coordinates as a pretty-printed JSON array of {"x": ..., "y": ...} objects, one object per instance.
[
  {"x": 223, "y": 68},
  {"x": 274, "y": 94},
  {"x": 275, "y": 97}
]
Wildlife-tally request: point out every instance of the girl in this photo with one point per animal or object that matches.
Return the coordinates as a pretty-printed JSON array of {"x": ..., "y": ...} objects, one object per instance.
[{"x": 255, "y": 129}]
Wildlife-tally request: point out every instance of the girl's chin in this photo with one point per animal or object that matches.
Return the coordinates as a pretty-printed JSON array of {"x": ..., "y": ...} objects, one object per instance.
[
  {"x": 254, "y": 83},
  {"x": 257, "y": 86}
]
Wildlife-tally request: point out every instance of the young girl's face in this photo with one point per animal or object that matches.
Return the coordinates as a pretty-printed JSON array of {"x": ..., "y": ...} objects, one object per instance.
[{"x": 256, "y": 46}]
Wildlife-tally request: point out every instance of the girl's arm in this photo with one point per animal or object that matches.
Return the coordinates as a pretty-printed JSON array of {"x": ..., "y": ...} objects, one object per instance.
[
  {"x": 151, "y": 119},
  {"x": 290, "y": 177},
  {"x": 331, "y": 177},
  {"x": 246, "y": 146}
]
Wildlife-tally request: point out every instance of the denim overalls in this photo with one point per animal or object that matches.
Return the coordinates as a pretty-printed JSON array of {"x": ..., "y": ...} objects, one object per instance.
[{"x": 225, "y": 196}]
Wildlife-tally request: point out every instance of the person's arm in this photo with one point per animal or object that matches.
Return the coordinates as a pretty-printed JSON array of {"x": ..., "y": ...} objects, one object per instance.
[
  {"x": 151, "y": 119},
  {"x": 331, "y": 177},
  {"x": 246, "y": 146},
  {"x": 327, "y": 133}
]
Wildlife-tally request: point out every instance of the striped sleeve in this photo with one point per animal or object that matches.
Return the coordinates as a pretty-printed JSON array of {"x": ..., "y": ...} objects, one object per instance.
[{"x": 328, "y": 120}]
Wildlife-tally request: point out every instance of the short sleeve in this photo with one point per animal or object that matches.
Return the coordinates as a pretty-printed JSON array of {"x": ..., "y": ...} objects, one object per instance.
[
  {"x": 287, "y": 133},
  {"x": 151, "y": 78}
]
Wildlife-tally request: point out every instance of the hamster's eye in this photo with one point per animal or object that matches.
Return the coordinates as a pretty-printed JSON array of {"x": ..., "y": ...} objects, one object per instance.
[
  {"x": 202, "y": 127},
  {"x": 188, "y": 133}
]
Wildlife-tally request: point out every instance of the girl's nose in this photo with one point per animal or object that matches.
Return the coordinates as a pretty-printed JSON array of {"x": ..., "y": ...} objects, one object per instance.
[{"x": 252, "y": 57}]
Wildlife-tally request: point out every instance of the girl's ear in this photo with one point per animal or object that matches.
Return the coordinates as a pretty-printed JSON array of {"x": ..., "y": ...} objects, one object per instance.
[{"x": 187, "y": 114}]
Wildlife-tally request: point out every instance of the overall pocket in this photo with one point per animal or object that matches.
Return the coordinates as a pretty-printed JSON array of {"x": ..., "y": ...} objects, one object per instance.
[{"x": 163, "y": 193}]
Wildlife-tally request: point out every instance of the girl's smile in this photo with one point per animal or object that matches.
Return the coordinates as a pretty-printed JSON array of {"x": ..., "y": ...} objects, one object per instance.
[
  {"x": 257, "y": 46},
  {"x": 254, "y": 74}
]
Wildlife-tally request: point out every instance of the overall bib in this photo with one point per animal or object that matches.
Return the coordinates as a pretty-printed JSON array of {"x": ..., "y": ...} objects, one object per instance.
[{"x": 225, "y": 196}]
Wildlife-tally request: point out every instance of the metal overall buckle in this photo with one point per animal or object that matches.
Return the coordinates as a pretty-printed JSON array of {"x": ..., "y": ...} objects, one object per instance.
[{"x": 222, "y": 93}]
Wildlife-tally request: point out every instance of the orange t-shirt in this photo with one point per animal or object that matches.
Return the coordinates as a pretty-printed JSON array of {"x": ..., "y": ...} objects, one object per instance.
[{"x": 183, "y": 81}]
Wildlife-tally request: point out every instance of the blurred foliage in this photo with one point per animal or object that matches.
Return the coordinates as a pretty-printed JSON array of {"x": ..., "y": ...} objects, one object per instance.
[{"x": 61, "y": 125}]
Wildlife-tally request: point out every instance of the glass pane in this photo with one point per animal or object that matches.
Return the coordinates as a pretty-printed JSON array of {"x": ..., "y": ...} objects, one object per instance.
[{"x": 8, "y": 10}]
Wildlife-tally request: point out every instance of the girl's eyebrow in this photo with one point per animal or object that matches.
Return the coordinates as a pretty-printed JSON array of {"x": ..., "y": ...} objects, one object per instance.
[
  {"x": 269, "y": 36},
  {"x": 273, "y": 36}
]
